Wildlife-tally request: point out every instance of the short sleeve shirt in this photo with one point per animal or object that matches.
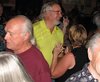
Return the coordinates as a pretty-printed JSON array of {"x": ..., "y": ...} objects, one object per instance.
[{"x": 46, "y": 40}]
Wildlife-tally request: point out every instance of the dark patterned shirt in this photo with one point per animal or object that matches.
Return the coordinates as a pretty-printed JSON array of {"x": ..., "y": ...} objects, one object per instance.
[{"x": 82, "y": 76}]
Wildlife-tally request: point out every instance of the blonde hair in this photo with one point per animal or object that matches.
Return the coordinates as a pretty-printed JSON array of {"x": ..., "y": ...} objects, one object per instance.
[
  {"x": 11, "y": 70},
  {"x": 77, "y": 35}
]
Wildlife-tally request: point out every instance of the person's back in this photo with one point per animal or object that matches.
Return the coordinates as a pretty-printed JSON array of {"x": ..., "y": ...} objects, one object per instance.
[
  {"x": 11, "y": 69},
  {"x": 81, "y": 57},
  {"x": 38, "y": 69},
  {"x": 72, "y": 61}
]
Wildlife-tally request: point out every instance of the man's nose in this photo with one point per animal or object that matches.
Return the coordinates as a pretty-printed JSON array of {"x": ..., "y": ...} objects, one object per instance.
[{"x": 6, "y": 36}]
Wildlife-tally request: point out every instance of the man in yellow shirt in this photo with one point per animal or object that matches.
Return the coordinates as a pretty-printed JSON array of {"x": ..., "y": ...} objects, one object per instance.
[{"x": 46, "y": 32}]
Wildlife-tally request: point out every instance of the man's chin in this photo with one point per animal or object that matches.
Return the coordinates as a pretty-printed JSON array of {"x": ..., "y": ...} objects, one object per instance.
[
  {"x": 9, "y": 47},
  {"x": 57, "y": 23}
]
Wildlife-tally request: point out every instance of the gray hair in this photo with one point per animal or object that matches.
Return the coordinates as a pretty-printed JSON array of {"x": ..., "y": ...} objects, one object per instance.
[
  {"x": 27, "y": 26},
  {"x": 93, "y": 42},
  {"x": 11, "y": 70},
  {"x": 46, "y": 7}
]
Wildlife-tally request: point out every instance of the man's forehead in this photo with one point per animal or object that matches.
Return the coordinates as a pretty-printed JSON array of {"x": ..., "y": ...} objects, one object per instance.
[
  {"x": 56, "y": 6},
  {"x": 13, "y": 23},
  {"x": 12, "y": 27}
]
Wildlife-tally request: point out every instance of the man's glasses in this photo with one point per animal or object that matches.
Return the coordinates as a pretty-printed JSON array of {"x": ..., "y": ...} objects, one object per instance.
[{"x": 56, "y": 11}]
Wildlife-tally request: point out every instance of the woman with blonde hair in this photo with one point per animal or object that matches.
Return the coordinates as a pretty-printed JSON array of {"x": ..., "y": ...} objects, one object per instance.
[
  {"x": 11, "y": 70},
  {"x": 72, "y": 61}
]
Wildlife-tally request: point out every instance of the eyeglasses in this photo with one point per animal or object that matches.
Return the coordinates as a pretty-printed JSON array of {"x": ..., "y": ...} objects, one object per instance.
[{"x": 56, "y": 11}]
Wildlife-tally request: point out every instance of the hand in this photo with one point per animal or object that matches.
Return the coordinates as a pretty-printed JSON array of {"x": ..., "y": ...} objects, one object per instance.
[
  {"x": 58, "y": 50},
  {"x": 65, "y": 24},
  {"x": 65, "y": 21}
]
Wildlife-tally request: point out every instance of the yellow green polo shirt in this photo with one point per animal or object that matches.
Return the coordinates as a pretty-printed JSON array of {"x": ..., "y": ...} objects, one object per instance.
[{"x": 46, "y": 40}]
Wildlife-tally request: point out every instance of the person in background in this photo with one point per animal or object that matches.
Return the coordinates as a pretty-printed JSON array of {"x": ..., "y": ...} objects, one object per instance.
[
  {"x": 91, "y": 71},
  {"x": 2, "y": 32},
  {"x": 96, "y": 20},
  {"x": 19, "y": 39},
  {"x": 11, "y": 69},
  {"x": 2, "y": 18},
  {"x": 95, "y": 23},
  {"x": 64, "y": 66},
  {"x": 46, "y": 32}
]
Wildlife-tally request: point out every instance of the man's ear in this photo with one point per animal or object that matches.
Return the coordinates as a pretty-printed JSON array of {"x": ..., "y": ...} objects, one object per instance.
[
  {"x": 90, "y": 54},
  {"x": 27, "y": 35}
]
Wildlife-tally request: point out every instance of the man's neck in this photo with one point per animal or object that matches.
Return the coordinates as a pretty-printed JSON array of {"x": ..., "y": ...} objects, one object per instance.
[
  {"x": 22, "y": 49},
  {"x": 93, "y": 72},
  {"x": 49, "y": 24}
]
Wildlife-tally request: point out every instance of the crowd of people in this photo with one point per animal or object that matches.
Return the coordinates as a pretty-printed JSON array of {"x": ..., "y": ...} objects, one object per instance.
[{"x": 52, "y": 48}]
